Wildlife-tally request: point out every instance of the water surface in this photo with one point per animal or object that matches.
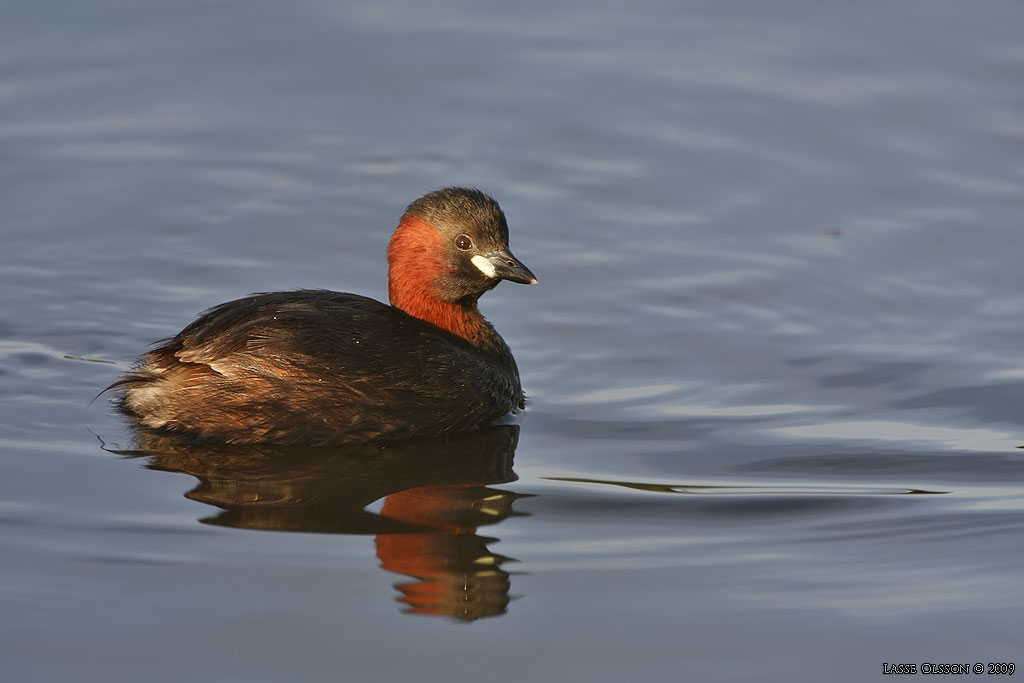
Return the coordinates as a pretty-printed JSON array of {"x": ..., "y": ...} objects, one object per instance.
[{"x": 775, "y": 362}]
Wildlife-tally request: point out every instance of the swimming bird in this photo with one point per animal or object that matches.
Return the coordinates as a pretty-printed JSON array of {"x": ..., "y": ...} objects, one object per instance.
[{"x": 317, "y": 367}]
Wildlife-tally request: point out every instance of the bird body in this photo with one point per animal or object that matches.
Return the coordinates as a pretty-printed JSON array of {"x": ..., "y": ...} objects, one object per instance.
[{"x": 316, "y": 367}]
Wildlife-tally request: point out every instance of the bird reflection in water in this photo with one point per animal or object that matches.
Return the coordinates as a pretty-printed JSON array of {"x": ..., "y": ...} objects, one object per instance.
[{"x": 437, "y": 493}]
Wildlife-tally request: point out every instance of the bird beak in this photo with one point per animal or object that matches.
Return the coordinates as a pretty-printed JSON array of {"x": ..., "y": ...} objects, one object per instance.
[{"x": 503, "y": 265}]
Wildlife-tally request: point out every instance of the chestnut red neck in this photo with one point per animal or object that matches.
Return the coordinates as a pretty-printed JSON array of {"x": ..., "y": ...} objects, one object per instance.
[{"x": 416, "y": 260}]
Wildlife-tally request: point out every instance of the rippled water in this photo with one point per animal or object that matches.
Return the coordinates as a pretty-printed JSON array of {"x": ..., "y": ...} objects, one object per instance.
[{"x": 775, "y": 363}]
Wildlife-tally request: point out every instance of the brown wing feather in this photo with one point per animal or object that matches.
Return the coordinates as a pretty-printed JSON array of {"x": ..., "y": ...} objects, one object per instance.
[{"x": 317, "y": 367}]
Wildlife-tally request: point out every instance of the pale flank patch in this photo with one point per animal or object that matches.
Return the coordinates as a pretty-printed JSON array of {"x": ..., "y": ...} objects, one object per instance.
[{"x": 484, "y": 265}]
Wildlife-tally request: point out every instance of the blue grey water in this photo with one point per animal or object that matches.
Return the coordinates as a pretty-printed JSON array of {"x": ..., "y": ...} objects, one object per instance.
[{"x": 775, "y": 362}]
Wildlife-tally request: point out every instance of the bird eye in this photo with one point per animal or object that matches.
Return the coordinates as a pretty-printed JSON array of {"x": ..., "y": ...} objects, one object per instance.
[{"x": 463, "y": 242}]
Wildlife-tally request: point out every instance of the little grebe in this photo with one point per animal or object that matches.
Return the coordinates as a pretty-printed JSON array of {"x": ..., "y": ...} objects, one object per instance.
[{"x": 316, "y": 367}]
